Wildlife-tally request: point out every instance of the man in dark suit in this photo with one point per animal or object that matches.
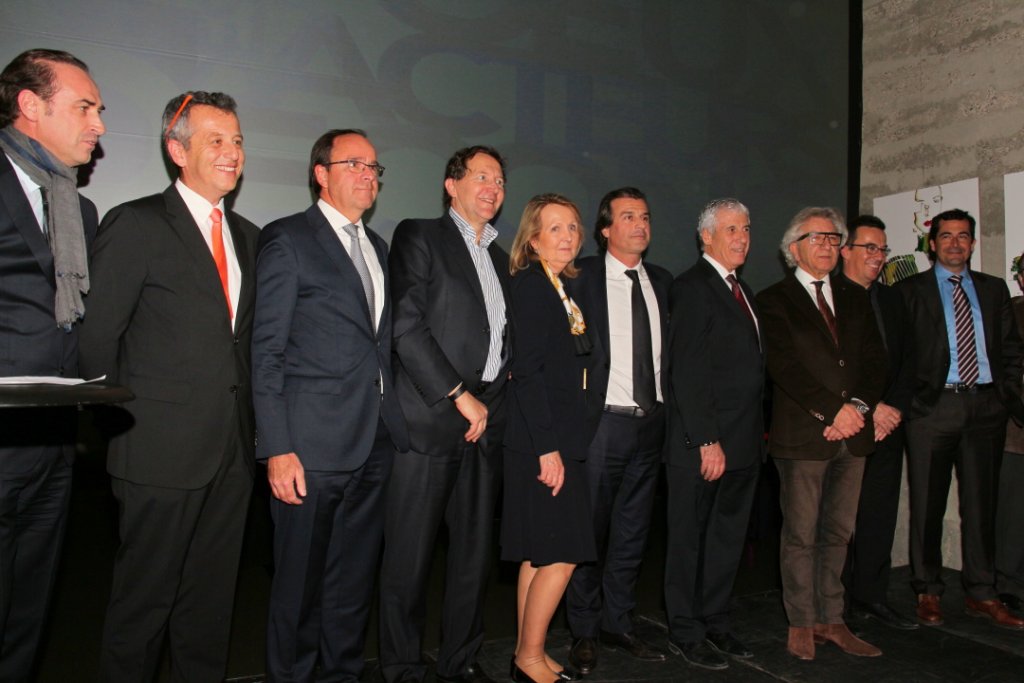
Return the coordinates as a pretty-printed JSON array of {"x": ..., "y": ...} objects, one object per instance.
[
  {"x": 170, "y": 316},
  {"x": 827, "y": 363},
  {"x": 716, "y": 437},
  {"x": 966, "y": 379},
  {"x": 625, "y": 303},
  {"x": 50, "y": 118},
  {"x": 869, "y": 557},
  {"x": 326, "y": 412},
  {"x": 450, "y": 282}
]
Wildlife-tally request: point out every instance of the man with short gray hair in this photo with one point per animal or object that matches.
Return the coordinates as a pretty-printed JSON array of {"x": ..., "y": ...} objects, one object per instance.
[
  {"x": 828, "y": 364},
  {"x": 715, "y": 437}
]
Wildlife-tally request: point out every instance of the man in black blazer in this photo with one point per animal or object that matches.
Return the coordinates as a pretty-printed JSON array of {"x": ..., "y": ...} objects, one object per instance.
[
  {"x": 326, "y": 412},
  {"x": 966, "y": 368},
  {"x": 449, "y": 278},
  {"x": 716, "y": 437},
  {"x": 827, "y": 364},
  {"x": 50, "y": 118},
  {"x": 627, "y": 424},
  {"x": 170, "y": 316},
  {"x": 869, "y": 558}
]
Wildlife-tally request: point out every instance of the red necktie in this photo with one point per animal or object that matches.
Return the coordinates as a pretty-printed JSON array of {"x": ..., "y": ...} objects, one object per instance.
[
  {"x": 737, "y": 293},
  {"x": 826, "y": 312},
  {"x": 219, "y": 257}
]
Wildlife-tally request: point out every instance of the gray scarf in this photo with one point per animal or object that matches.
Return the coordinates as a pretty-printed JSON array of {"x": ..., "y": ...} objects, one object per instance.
[{"x": 64, "y": 221}]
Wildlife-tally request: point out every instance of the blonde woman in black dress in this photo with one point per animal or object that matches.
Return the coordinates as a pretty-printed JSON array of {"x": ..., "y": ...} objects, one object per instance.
[{"x": 546, "y": 520}]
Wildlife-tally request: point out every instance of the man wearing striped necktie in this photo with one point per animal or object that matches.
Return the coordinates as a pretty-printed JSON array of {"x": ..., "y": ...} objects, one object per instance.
[{"x": 966, "y": 362}]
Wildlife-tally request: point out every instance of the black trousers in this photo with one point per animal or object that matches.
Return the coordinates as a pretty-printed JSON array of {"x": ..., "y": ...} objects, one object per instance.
[
  {"x": 1010, "y": 526},
  {"x": 326, "y": 553},
  {"x": 460, "y": 489},
  {"x": 174, "y": 576},
  {"x": 964, "y": 432},
  {"x": 622, "y": 471},
  {"x": 869, "y": 559},
  {"x": 35, "y": 487},
  {"x": 707, "y": 528}
]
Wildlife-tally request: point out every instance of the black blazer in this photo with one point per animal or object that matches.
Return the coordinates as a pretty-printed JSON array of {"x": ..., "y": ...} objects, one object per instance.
[
  {"x": 30, "y": 341},
  {"x": 317, "y": 360},
  {"x": 441, "y": 331},
  {"x": 590, "y": 291},
  {"x": 930, "y": 357},
  {"x": 899, "y": 381},
  {"x": 812, "y": 378},
  {"x": 156, "y": 321},
  {"x": 717, "y": 377},
  {"x": 547, "y": 400}
]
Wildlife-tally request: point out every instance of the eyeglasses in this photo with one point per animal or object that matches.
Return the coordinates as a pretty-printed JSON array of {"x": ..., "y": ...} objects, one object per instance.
[
  {"x": 357, "y": 166},
  {"x": 833, "y": 239},
  {"x": 872, "y": 248}
]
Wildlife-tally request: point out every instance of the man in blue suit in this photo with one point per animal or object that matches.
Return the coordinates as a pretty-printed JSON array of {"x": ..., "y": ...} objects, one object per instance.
[
  {"x": 50, "y": 117},
  {"x": 327, "y": 418}
]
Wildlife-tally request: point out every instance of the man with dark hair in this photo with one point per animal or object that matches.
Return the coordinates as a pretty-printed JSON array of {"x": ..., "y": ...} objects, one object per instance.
[
  {"x": 869, "y": 558},
  {"x": 966, "y": 375},
  {"x": 170, "y": 316},
  {"x": 450, "y": 282},
  {"x": 625, "y": 301},
  {"x": 50, "y": 112},
  {"x": 326, "y": 412},
  {"x": 716, "y": 437}
]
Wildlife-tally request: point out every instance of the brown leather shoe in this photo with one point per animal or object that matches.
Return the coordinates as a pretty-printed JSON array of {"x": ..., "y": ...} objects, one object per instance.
[
  {"x": 846, "y": 641},
  {"x": 801, "y": 642},
  {"x": 929, "y": 611},
  {"x": 994, "y": 610}
]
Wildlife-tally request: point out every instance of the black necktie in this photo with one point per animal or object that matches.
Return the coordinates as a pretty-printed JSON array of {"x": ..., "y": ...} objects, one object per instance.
[
  {"x": 643, "y": 355},
  {"x": 966, "y": 347},
  {"x": 826, "y": 312}
]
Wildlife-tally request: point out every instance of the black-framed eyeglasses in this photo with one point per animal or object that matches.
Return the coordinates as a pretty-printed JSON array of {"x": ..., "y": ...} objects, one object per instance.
[
  {"x": 872, "y": 248},
  {"x": 833, "y": 239},
  {"x": 357, "y": 166}
]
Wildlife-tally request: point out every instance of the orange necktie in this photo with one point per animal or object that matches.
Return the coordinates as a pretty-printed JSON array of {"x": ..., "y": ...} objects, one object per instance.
[{"x": 219, "y": 257}]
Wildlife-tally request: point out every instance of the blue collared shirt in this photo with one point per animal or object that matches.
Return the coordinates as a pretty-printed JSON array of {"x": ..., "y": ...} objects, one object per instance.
[{"x": 946, "y": 292}]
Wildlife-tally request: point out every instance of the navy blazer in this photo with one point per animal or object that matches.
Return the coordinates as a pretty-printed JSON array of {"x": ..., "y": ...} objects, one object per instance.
[
  {"x": 318, "y": 362},
  {"x": 717, "y": 372},
  {"x": 590, "y": 291},
  {"x": 156, "y": 321},
  {"x": 930, "y": 356}
]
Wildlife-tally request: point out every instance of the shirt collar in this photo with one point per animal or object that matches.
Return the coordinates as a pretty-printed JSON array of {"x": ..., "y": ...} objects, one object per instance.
[
  {"x": 944, "y": 274},
  {"x": 614, "y": 266},
  {"x": 469, "y": 234},
  {"x": 719, "y": 268},
  {"x": 806, "y": 278},
  {"x": 197, "y": 204}
]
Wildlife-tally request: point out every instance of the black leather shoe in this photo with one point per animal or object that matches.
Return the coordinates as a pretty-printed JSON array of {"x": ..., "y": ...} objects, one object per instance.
[
  {"x": 880, "y": 611},
  {"x": 699, "y": 654},
  {"x": 632, "y": 645},
  {"x": 728, "y": 644},
  {"x": 583, "y": 655},
  {"x": 472, "y": 674},
  {"x": 1011, "y": 601}
]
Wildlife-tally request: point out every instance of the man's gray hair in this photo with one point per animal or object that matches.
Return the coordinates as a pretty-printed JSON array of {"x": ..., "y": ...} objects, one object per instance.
[
  {"x": 794, "y": 231},
  {"x": 709, "y": 215},
  {"x": 175, "y": 121}
]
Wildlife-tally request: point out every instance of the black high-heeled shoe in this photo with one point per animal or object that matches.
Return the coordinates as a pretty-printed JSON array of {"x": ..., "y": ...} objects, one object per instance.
[{"x": 568, "y": 675}]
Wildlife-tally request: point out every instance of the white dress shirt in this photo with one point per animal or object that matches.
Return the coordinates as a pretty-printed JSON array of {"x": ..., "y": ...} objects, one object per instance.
[
  {"x": 723, "y": 273},
  {"x": 807, "y": 280},
  {"x": 620, "y": 330},
  {"x": 338, "y": 223}
]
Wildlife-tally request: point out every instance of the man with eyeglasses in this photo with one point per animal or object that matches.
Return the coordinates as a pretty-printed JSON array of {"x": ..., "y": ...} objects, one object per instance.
[
  {"x": 450, "y": 282},
  {"x": 327, "y": 414},
  {"x": 869, "y": 560},
  {"x": 827, "y": 363},
  {"x": 966, "y": 371}
]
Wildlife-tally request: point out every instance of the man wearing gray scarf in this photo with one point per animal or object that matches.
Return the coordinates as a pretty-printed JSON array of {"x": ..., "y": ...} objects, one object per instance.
[{"x": 49, "y": 124}]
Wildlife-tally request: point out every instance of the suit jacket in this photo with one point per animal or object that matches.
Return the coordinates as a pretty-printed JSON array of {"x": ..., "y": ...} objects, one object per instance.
[
  {"x": 930, "y": 357},
  {"x": 812, "y": 377},
  {"x": 318, "y": 362},
  {"x": 717, "y": 377},
  {"x": 30, "y": 341},
  {"x": 442, "y": 332},
  {"x": 548, "y": 402},
  {"x": 590, "y": 291},
  {"x": 899, "y": 381},
  {"x": 1014, "y": 432},
  {"x": 156, "y": 321}
]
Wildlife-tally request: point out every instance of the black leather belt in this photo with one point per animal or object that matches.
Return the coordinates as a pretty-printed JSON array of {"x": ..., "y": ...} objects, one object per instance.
[
  {"x": 631, "y": 411},
  {"x": 961, "y": 388}
]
